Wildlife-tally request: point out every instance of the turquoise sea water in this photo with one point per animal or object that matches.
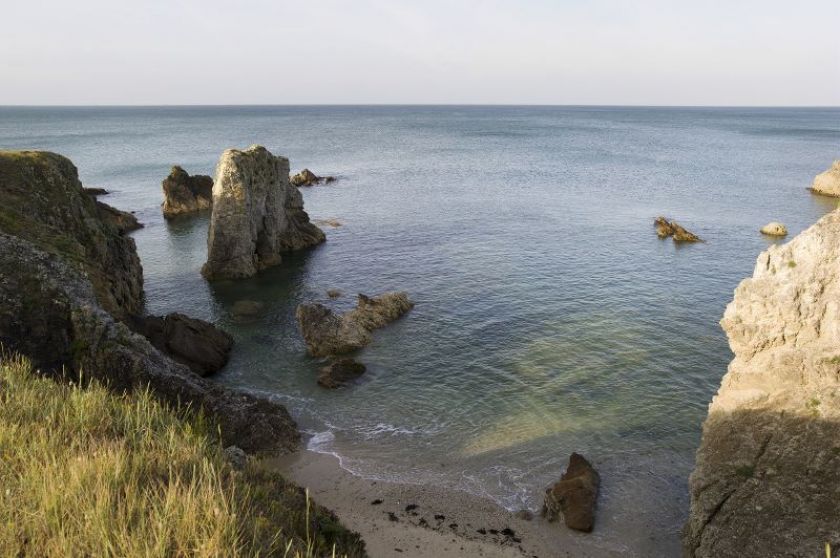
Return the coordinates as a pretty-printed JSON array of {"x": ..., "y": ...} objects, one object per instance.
[{"x": 549, "y": 317}]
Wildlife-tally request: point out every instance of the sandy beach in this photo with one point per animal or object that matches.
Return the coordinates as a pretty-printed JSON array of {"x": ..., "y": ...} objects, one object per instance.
[{"x": 424, "y": 521}]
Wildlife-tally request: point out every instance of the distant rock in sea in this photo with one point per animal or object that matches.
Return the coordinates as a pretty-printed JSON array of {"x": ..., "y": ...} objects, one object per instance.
[
  {"x": 308, "y": 178},
  {"x": 183, "y": 193},
  {"x": 666, "y": 228},
  {"x": 574, "y": 495},
  {"x": 774, "y": 229},
  {"x": 340, "y": 371},
  {"x": 257, "y": 215},
  {"x": 327, "y": 333},
  {"x": 828, "y": 182}
]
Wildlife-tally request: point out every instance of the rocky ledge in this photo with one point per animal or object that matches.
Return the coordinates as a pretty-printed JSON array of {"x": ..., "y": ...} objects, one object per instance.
[
  {"x": 767, "y": 476},
  {"x": 257, "y": 215},
  {"x": 308, "y": 178},
  {"x": 69, "y": 280}
]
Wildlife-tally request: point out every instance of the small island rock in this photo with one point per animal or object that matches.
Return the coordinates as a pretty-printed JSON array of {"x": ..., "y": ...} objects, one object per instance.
[
  {"x": 774, "y": 229},
  {"x": 666, "y": 228},
  {"x": 257, "y": 215},
  {"x": 828, "y": 182},
  {"x": 327, "y": 333},
  {"x": 574, "y": 495},
  {"x": 183, "y": 193},
  {"x": 308, "y": 178}
]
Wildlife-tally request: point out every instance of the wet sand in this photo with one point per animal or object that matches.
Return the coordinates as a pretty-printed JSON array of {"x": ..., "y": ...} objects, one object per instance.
[{"x": 425, "y": 521}]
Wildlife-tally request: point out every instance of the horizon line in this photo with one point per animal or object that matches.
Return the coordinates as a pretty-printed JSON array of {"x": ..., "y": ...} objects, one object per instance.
[{"x": 512, "y": 105}]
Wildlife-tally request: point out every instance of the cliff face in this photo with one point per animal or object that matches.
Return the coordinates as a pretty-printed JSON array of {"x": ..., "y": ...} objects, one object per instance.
[
  {"x": 42, "y": 201},
  {"x": 257, "y": 215},
  {"x": 767, "y": 477},
  {"x": 68, "y": 281}
]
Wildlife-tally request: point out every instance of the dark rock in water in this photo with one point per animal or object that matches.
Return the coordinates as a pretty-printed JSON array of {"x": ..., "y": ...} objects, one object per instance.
[
  {"x": 43, "y": 202},
  {"x": 200, "y": 345},
  {"x": 183, "y": 193},
  {"x": 96, "y": 192},
  {"x": 308, "y": 178},
  {"x": 334, "y": 293},
  {"x": 574, "y": 495},
  {"x": 339, "y": 372},
  {"x": 666, "y": 228},
  {"x": 327, "y": 333},
  {"x": 246, "y": 308},
  {"x": 257, "y": 215},
  {"x": 123, "y": 221}
]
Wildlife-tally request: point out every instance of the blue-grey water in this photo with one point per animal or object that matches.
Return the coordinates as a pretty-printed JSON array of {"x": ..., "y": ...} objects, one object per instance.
[{"x": 549, "y": 317}]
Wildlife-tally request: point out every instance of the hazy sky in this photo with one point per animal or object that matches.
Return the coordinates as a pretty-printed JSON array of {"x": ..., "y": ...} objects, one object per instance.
[{"x": 655, "y": 52}]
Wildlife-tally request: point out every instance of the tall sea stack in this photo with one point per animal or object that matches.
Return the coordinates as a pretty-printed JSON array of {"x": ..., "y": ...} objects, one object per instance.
[
  {"x": 767, "y": 477},
  {"x": 257, "y": 215}
]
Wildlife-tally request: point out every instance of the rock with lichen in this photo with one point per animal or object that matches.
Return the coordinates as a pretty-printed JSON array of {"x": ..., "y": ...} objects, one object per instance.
[{"x": 183, "y": 193}]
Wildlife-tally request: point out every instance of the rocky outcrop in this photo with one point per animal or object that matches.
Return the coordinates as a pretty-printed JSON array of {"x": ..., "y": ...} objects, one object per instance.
[
  {"x": 767, "y": 475},
  {"x": 774, "y": 229},
  {"x": 308, "y": 178},
  {"x": 574, "y": 495},
  {"x": 828, "y": 182},
  {"x": 42, "y": 201},
  {"x": 49, "y": 311},
  {"x": 257, "y": 215},
  {"x": 197, "y": 344},
  {"x": 183, "y": 193},
  {"x": 340, "y": 371},
  {"x": 327, "y": 333},
  {"x": 69, "y": 282},
  {"x": 123, "y": 221},
  {"x": 666, "y": 228}
]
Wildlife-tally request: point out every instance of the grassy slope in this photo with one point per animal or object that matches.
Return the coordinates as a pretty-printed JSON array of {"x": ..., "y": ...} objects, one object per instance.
[{"x": 85, "y": 472}]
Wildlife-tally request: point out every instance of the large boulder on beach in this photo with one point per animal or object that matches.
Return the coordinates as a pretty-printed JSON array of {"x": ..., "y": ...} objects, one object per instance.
[
  {"x": 183, "y": 193},
  {"x": 767, "y": 473},
  {"x": 774, "y": 229},
  {"x": 328, "y": 333},
  {"x": 197, "y": 344},
  {"x": 666, "y": 228},
  {"x": 257, "y": 215},
  {"x": 828, "y": 182},
  {"x": 574, "y": 495}
]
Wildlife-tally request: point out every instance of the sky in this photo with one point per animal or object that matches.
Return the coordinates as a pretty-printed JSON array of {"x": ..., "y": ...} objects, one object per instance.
[{"x": 561, "y": 52}]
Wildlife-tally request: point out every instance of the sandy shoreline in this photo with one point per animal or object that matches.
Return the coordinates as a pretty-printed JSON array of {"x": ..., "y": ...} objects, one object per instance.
[{"x": 425, "y": 521}]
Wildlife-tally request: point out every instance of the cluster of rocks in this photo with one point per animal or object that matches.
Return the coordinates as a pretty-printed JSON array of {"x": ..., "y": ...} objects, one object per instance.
[
  {"x": 329, "y": 334},
  {"x": 308, "y": 178}
]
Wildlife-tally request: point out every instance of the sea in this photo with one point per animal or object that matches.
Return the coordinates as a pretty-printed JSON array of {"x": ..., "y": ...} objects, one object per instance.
[{"x": 549, "y": 317}]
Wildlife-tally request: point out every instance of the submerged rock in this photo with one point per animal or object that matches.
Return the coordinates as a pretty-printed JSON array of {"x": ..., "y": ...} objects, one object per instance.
[
  {"x": 183, "y": 193},
  {"x": 327, "y": 333},
  {"x": 200, "y": 345},
  {"x": 828, "y": 182},
  {"x": 666, "y": 228},
  {"x": 774, "y": 229},
  {"x": 574, "y": 495},
  {"x": 340, "y": 371},
  {"x": 257, "y": 215},
  {"x": 246, "y": 308},
  {"x": 767, "y": 473},
  {"x": 308, "y": 178}
]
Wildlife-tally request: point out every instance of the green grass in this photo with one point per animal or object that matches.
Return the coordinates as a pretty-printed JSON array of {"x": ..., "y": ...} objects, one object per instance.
[{"x": 86, "y": 472}]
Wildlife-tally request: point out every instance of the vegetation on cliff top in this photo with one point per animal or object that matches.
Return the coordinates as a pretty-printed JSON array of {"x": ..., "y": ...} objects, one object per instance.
[{"x": 85, "y": 472}]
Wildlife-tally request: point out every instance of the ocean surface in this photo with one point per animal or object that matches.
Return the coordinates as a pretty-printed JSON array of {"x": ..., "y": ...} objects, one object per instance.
[{"x": 549, "y": 317}]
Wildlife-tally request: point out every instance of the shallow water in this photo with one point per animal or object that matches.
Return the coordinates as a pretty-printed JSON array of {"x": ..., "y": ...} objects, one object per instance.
[{"x": 549, "y": 317}]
